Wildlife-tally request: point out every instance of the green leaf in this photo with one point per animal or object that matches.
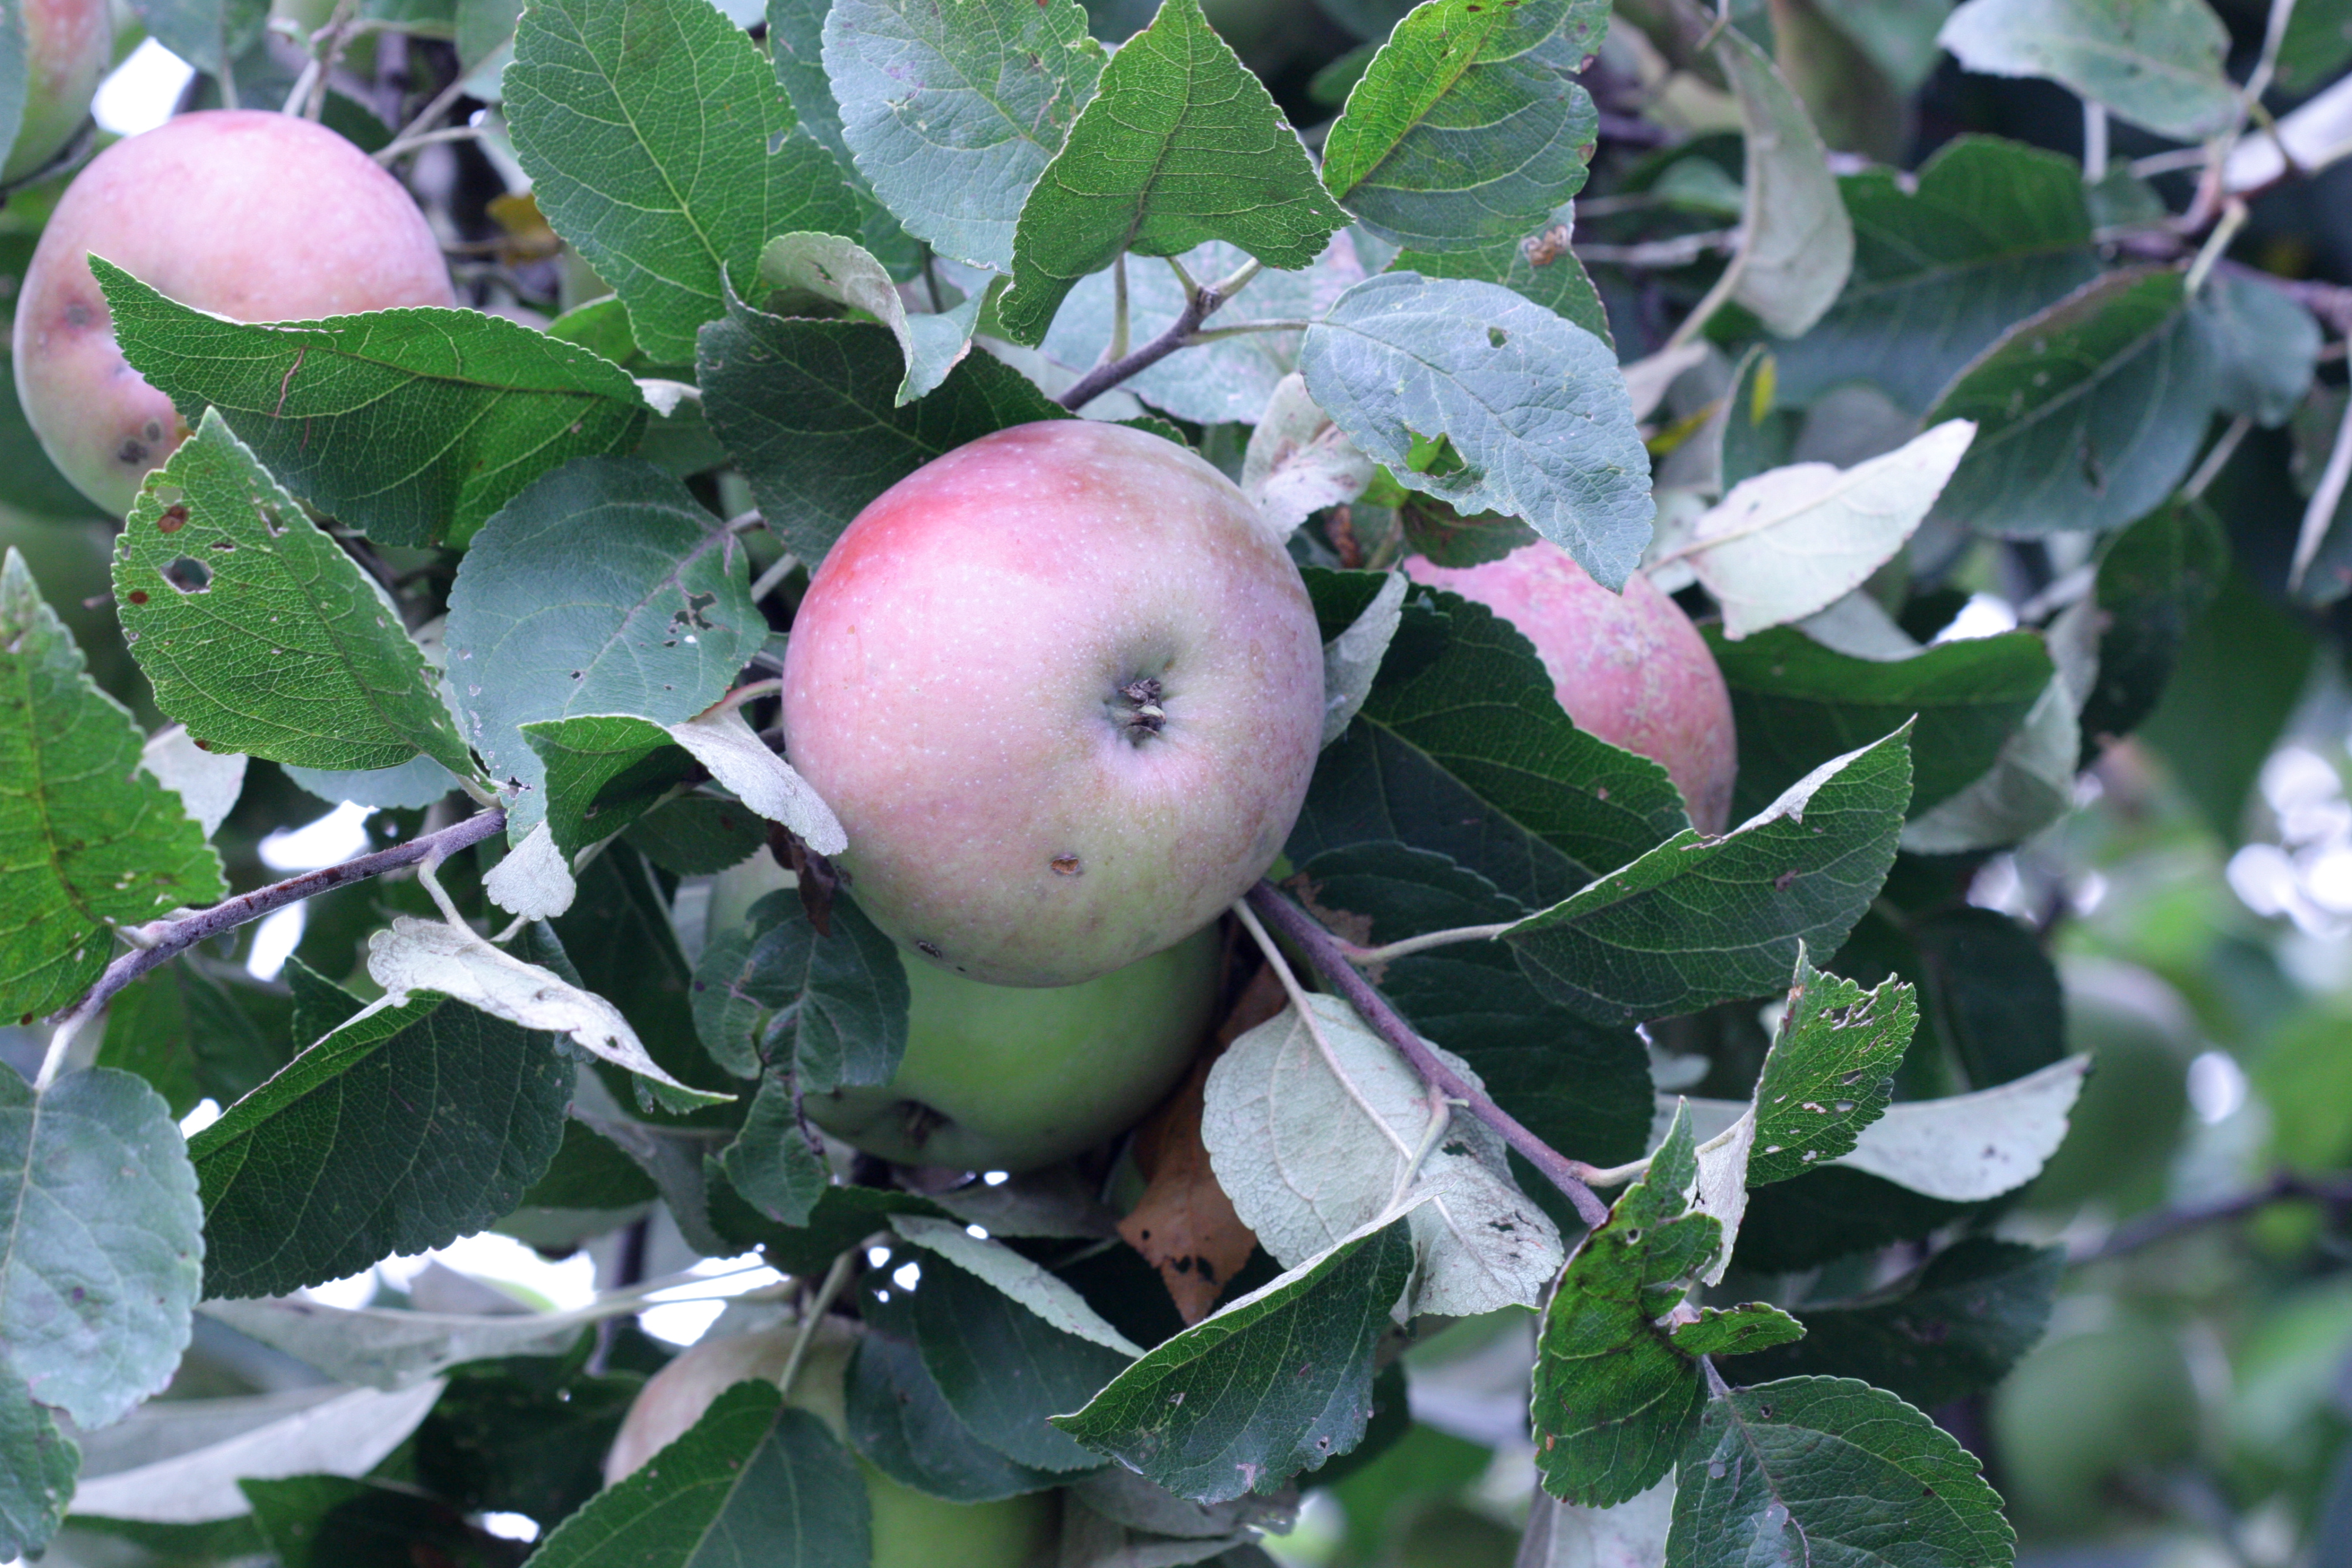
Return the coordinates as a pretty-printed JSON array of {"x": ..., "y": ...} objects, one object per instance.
[
  {"x": 843, "y": 995},
  {"x": 37, "y": 1466},
  {"x": 1615, "y": 1396},
  {"x": 259, "y": 633},
  {"x": 602, "y": 588},
  {"x": 901, "y": 1423},
  {"x": 1537, "y": 265},
  {"x": 844, "y": 1216},
  {"x": 840, "y": 271},
  {"x": 1468, "y": 127},
  {"x": 1696, "y": 921},
  {"x": 1004, "y": 1370},
  {"x": 1179, "y": 145},
  {"x": 953, "y": 109},
  {"x": 1831, "y": 1072},
  {"x": 1463, "y": 749},
  {"x": 809, "y": 411},
  {"x": 771, "y": 1163},
  {"x": 619, "y": 930},
  {"x": 87, "y": 841},
  {"x": 180, "y": 1027},
  {"x": 1532, "y": 405},
  {"x": 795, "y": 45},
  {"x": 208, "y": 34},
  {"x": 343, "y": 1521},
  {"x": 2156, "y": 63},
  {"x": 750, "y": 1482},
  {"x": 1826, "y": 1468},
  {"x": 2156, "y": 579},
  {"x": 1992, "y": 231},
  {"x": 1950, "y": 1329},
  {"x": 1796, "y": 244},
  {"x": 400, "y": 1132},
  {"x": 99, "y": 1252},
  {"x": 660, "y": 145},
  {"x": 1735, "y": 1331},
  {"x": 603, "y": 772},
  {"x": 14, "y": 46},
  {"x": 2265, "y": 345},
  {"x": 698, "y": 835},
  {"x": 2088, "y": 412},
  {"x": 1273, "y": 1384},
  {"x": 408, "y": 425},
  {"x": 523, "y": 1435},
  {"x": 1796, "y": 703}
]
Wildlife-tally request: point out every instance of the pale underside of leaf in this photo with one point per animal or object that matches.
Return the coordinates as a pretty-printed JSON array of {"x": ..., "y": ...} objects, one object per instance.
[{"x": 1046, "y": 1294}]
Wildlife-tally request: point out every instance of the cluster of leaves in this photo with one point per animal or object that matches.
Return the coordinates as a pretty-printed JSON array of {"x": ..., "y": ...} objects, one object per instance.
[{"x": 891, "y": 228}]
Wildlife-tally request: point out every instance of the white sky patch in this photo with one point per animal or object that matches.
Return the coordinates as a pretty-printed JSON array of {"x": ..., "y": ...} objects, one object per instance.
[
  {"x": 1982, "y": 616},
  {"x": 684, "y": 1321},
  {"x": 140, "y": 92},
  {"x": 206, "y": 1112},
  {"x": 337, "y": 836},
  {"x": 511, "y": 1526},
  {"x": 274, "y": 941},
  {"x": 2217, "y": 1086}
]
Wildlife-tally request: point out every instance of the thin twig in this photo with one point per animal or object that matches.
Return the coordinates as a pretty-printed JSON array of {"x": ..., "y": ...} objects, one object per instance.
[
  {"x": 835, "y": 1277},
  {"x": 765, "y": 583},
  {"x": 1239, "y": 329},
  {"x": 441, "y": 105},
  {"x": 2165, "y": 1224},
  {"x": 1367, "y": 957},
  {"x": 2218, "y": 458},
  {"x": 1199, "y": 304},
  {"x": 1330, "y": 963},
  {"x": 2325, "y": 497},
  {"x": 408, "y": 144},
  {"x": 162, "y": 940}
]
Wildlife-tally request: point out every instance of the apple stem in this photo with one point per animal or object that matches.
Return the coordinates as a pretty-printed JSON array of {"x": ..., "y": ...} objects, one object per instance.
[
  {"x": 162, "y": 940},
  {"x": 1331, "y": 964}
]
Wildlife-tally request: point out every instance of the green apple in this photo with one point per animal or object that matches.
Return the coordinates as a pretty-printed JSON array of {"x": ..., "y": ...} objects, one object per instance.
[
  {"x": 910, "y": 1528},
  {"x": 252, "y": 216},
  {"x": 1010, "y": 1078},
  {"x": 2086, "y": 1408},
  {"x": 67, "y": 46},
  {"x": 1063, "y": 688},
  {"x": 2122, "y": 1132}
]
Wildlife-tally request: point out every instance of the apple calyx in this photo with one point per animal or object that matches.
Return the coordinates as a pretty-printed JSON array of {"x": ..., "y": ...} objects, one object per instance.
[{"x": 1137, "y": 709}]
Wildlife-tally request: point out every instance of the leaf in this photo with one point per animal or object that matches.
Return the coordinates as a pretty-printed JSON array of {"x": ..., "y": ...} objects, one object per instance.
[
  {"x": 1796, "y": 243},
  {"x": 1991, "y": 231},
  {"x": 1790, "y": 541},
  {"x": 2030, "y": 786},
  {"x": 2088, "y": 412},
  {"x": 602, "y": 771},
  {"x": 669, "y": 208},
  {"x": 750, "y": 1482},
  {"x": 1537, "y": 265},
  {"x": 534, "y": 880},
  {"x": 1631, "y": 1535},
  {"x": 1531, "y": 410},
  {"x": 413, "y": 785},
  {"x": 1318, "y": 1128},
  {"x": 1469, "y": 126},
  {"x": 2154, "y": 579},
  {"x": 1179, "y": 144},
  {"x": 809, "y": 411},
  {"x": 432, "y": 957},
  {"x": 1700, "y": 921},
  {"x": 207, "y": 782},
  {"x": 1965, "y": 1148},
  {"x": 604, "y": 588},
  {"x": 954, "y": 111},
  {"x": 1615, "y": 1398},
  {"x": 403, "y": 1130},
  {"x": 1822, "y": 1468},
  {"x": 1185, "y": 1225},
  {"x": 723, "y": 741},
  {"x": 181, "y": 1028},
  {"x": 1351, "y": 661},
  {"x": 900, "y": 1423},
  {"x": 409, "y": 426},
  {"x": 1795, "y": 702},
  {"x": 2156, "y": 63},
  {"x": 841, "y": 271},
  {"x": 1462, "y": 748},
  {"x": 1948, "y": 1329},
  {"x": 1297, "y": 461},
  {"x": 1830, "y": 1073},
  {"x": 208, "y": 34},
  {"x": 698, "y": 835},
  {"x": 99, "y": 1253},
  {"x": 392, "y": 1349},
  {"x": 795, "y": 29},
  {"x": 1278, "y": 1382},
  {"x": 14, "y": 48},
  {"x": 842, "y": 994},
  {"x": 37, "y": 1464},
  {"x": 1044, "y": 1293},
  {"x": 85, "y": 842},
  {"x": 329, "y": 1431},
  {"x": 259, "y": 634},
  {"x": 2265, "y": 344}
]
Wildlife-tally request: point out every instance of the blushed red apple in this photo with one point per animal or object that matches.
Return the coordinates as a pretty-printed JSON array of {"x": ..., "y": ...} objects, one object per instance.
[
  {"x": 1629, "y": 668},
  {"x": 248, "y": 215},
  {"x": 910, "y": 1530},
  {"x": 67, "y": 46},
  {"x": 1065, "y": 692}
]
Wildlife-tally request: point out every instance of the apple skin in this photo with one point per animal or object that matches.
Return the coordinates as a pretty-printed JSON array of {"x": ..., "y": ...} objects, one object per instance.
[
  {"x": 248, "y": 215},
  {"x": 69, "y": 43},
  {"x": 1631, "y": 669},
  {"x": 958, "y": 689},
  {"x": 1002, "y": 1077},
  {"x": 910, "y": 1530}
]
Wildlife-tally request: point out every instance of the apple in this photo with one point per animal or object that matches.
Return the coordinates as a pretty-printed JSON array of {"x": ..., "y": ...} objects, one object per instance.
[
  {"x": 1629, "y": 668},
  {"x": 1004, "y": 1077},
  {"x": 910, "y": 1530},
  {"x": 2085, "y": 1408},
  {"x": 1064, "y": 691},
  {"x": 248, "y": 215},
  {"x": 69, "y": 43}
]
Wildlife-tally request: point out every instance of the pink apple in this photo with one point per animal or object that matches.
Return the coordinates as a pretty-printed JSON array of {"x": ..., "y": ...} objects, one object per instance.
[
  {"x": 1631, "y": 670},
  {"x": 1065, "y": 692},
  {"x": 910, "y": 1530},
  {"x": 67, "y": 46},
  {"x": 248, "y": 215}
]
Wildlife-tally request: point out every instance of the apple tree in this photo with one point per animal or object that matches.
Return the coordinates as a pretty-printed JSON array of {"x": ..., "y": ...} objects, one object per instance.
[{"x": 1352, "y": 782}]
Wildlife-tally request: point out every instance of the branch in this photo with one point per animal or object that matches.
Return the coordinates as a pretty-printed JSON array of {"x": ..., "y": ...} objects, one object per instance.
[
  {"x": 159, "y": 941},
  {"x": 1330, "y": 962},
  {"x": 1200, "y": 304},
  {"x": 2284, "y": 1186}
]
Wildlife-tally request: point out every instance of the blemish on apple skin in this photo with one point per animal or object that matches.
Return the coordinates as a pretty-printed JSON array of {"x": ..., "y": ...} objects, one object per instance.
[
  {"x": 1067, "y": 865},
  {"x": 929, "y": 949}
]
